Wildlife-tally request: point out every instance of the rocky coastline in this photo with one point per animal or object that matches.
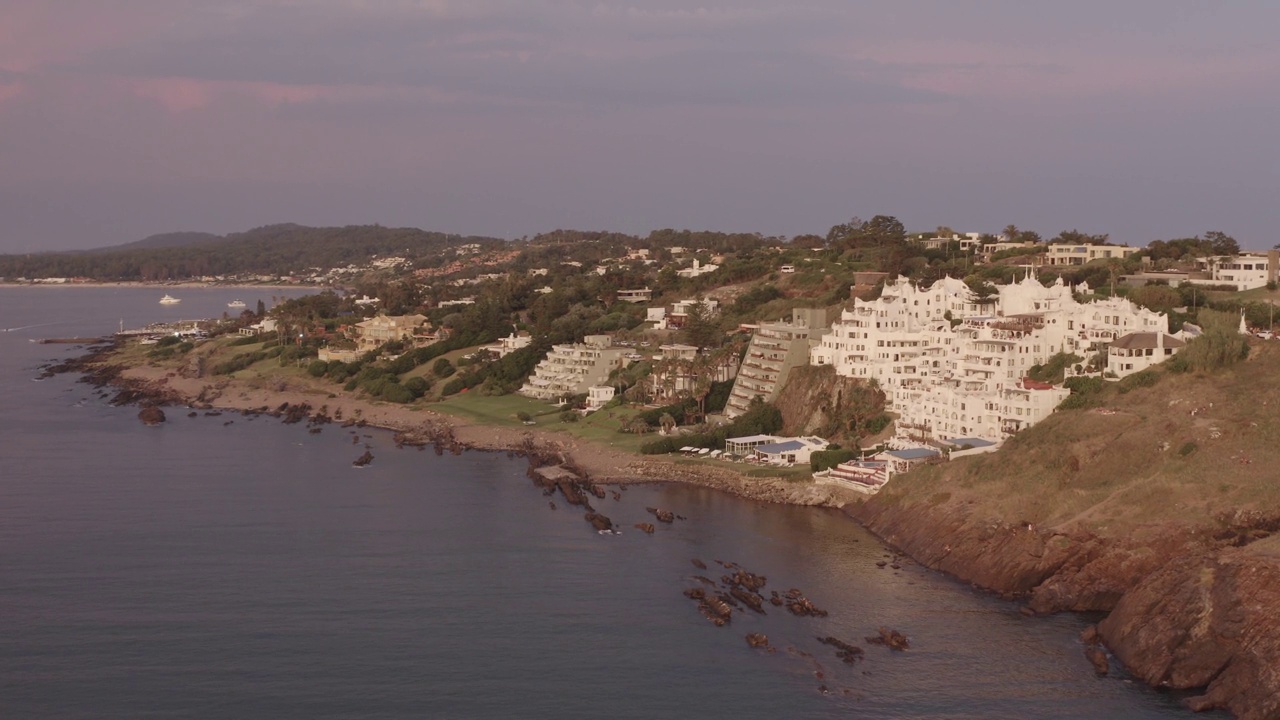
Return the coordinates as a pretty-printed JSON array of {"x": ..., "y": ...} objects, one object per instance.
[{"x": 1186, "y": 610}]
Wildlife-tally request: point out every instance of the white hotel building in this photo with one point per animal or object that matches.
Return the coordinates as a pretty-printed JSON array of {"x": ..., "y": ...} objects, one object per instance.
[{"x": 951, "y": 366}]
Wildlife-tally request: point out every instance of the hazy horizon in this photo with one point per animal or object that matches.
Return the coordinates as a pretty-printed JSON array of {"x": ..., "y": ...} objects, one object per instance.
[{"x": 1148, "y": 119}]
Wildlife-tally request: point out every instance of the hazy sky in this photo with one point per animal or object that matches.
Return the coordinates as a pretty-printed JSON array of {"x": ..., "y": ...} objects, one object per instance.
[{"x": 1141, "y": 118}]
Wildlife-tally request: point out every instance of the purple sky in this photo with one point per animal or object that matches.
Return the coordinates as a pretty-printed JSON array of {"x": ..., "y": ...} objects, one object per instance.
[{"x": 1142, "y": 118}]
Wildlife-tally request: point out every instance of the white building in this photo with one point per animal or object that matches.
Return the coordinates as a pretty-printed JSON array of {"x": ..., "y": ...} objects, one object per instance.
[
  {"x": 952, "y": 365},
  {"x": 640, "y": 295},
  {"x": 1245, "y": 271},
  {"x": 573, "y": 369},
  {"x": 789, "y": 451},
  {"x": 598, "y": 396},
  {"x": 267, "y": 325},
  {"x": 697, "y": 269},
  {"x": 1061, "y": 254},
  {"x": 1136, "y": 352},
  {"x": 509, "y": 344}
]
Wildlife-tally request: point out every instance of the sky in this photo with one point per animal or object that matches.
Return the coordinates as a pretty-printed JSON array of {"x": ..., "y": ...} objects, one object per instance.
[{"x": 1143, "y": 119}]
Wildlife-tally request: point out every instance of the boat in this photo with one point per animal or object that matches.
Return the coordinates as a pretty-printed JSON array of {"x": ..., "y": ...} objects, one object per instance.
[
  {"x": 236, "y": 304},
  {"x": 169, "y": 300}
]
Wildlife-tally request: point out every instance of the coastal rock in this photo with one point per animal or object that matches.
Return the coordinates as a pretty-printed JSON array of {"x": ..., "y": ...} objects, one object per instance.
[
  {"x": 151, "y": 415},
  {"x": 665, "y": 516},
  {"x": 847, "y": 652},
  {"x": 645, "y": 527},
  {"x": 889, "y": 638},
  {"x": 757, "y": 640},
  {"x": 1098, "y": 658},
  {"x": 1206, "y": 622},
  {"x": 364, "y": 459},
  {"x": 599, "y": 522}
]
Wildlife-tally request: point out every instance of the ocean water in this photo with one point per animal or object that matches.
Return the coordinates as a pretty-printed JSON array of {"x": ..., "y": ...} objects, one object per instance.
[{"x": 202, "y": 569}]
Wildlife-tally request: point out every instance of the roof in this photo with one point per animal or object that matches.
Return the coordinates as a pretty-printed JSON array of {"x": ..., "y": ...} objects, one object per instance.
[
  {"x": 752, "y": 439},
  {"x": 913, "y": 453},
  {"x": 971, "y": 442},
  {"x": 788, "y": 446},
  {"x": 1145, "y": 341}
]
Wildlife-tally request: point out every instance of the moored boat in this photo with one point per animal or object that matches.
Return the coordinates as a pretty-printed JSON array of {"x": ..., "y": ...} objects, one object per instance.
[
  {"x": 169, "y": 300},
  {"x": 236, "y": 304}
]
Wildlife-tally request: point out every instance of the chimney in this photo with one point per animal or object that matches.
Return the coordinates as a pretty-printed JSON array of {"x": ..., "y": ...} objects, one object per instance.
[{"x": 1273, "y": 261}]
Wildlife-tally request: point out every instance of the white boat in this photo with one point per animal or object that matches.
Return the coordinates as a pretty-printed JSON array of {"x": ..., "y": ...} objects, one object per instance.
[
  {"x": 236, "y": 304},
  {"x": 169, "y": 300}
]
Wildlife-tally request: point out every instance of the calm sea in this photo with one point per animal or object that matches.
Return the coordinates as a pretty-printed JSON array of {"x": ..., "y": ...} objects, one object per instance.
[{"x": 246, "y": 570}]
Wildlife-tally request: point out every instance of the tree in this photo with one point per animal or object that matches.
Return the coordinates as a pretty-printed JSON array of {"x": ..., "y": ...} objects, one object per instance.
[
  {"x": 667, "y": 423},
  {"x": 700, "y": 328},
  {"x": 1075, "y": 237},
  {"x": 1221, "y": 243},
  {"x": 262, "y": 310}
]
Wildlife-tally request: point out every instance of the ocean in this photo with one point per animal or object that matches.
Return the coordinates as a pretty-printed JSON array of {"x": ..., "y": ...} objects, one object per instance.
[{"x": 235, "y": 567}]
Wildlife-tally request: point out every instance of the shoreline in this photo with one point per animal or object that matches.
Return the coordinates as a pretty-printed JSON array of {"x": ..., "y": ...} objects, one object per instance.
[{"x": 601, "y": 464}]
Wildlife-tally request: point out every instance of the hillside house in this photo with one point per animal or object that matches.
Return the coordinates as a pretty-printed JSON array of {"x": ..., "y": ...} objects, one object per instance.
[
  {"x": 1136, "y": 352},
  {"x": 385, "y": 328},
  {"x": 1062, "y": 254}
]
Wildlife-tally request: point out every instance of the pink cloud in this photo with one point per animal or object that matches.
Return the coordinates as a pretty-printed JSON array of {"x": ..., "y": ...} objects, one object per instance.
[{"x": 9, "y": 91}]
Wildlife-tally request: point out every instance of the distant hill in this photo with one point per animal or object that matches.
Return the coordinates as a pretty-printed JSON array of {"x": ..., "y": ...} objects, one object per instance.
[
  {"x": 269, "y": 250},
  {"x": 163, "y": 240}
]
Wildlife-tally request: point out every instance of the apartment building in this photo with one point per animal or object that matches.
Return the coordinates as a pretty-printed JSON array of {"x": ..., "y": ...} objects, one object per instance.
[
  {"x": 952, "y": 365},
  {"x": 776, "y": 348},
  {"x": 572, "y": 369}
]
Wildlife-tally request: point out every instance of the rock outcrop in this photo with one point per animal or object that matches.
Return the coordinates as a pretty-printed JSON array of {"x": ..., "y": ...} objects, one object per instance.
[{"x": 1187, "y": 610}]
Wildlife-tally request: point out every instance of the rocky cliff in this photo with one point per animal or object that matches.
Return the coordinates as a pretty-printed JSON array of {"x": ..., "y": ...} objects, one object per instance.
[
  {"x": 816, "y": 401},
  {"x": 1160, "y": 508}
]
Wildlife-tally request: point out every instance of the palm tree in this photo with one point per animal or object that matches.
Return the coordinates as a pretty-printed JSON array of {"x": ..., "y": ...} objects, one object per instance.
[
  {"x": 1011, "y": 232},
  {"x": 667, "y": 422}
]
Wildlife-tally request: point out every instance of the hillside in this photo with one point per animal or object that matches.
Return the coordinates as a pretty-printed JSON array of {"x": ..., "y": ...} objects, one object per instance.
[
  {"x": 163, "y": 240},
  {"x": 273, "y": 249},
  {"x": 1158, "y": 505}
]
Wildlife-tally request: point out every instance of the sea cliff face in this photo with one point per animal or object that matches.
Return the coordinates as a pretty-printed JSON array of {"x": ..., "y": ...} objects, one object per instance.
[{"x": 1186, "y": 610}]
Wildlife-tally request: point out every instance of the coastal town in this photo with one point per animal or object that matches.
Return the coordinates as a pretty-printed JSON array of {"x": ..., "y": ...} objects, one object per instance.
[{"x": 953, "y": 342}]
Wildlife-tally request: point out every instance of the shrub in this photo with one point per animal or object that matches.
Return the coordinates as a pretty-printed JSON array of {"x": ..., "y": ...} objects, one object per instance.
[
  {"x": 443, "y": 368},
  {"x": 876, "y": 425},
  {"x": 396, "y": 393},
  {"x": 826, "y": 459},
  {"x": 1187, "y": 448},
  {"x": 417, "y": 385},
  {"x": 239, "y": 362},
  {"x": 1146, "y": 378},
  {"x": 317, "y": 368},
  {"x": 453, "y": 387},
  {"x": 523, "y": 416},
  {"x": 168, "y": 340},
  {"x": 569, "y": 416}
]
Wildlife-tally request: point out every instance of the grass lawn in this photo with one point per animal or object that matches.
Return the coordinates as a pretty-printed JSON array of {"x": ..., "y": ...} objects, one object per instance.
[
  {"x": 497, "y": 410},
  {"x": 599, "y": 427}
]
